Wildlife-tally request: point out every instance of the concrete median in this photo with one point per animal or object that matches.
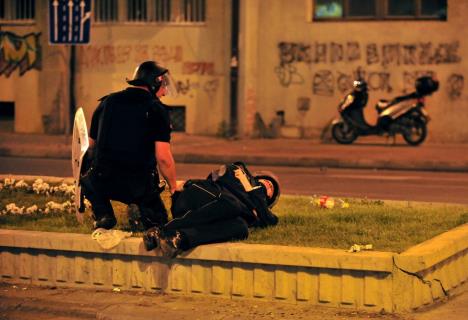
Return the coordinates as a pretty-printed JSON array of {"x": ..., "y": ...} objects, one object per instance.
[{"x": 317, "y": 276}]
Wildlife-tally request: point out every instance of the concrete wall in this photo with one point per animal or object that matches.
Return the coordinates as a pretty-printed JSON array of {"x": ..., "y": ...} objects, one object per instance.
[
  {"x": 285, "y": 60},
  {"x": 316, "y": 276},
  {"x": 300, "y": 58},
  {"x": 196, "y": 55}
]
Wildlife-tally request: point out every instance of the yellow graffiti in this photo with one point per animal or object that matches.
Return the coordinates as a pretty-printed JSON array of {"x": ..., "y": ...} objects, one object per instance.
[{"x": 22, "y": 52}]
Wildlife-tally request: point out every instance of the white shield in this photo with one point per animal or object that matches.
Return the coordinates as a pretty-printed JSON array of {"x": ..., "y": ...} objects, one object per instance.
[{"x": 80, "y": 144}]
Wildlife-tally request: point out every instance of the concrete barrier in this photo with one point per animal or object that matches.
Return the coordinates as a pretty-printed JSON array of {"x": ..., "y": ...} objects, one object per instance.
[{"x": 363, "y": 280}]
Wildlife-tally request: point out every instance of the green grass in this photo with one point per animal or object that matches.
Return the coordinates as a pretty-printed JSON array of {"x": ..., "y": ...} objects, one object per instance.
[{"x": 387, "y": 225}]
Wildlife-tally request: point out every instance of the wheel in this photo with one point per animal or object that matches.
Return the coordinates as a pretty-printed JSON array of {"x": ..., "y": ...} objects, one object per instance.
[
  {"x": 343, "y": 133},
  {"x": 415, "y": 132}
]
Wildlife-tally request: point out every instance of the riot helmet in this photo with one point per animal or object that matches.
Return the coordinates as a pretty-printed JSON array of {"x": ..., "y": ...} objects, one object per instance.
[
  {"x": 152, "y": 76},
  {"x": 360, "y": 85},
  {"x": 271, "y": 186}
]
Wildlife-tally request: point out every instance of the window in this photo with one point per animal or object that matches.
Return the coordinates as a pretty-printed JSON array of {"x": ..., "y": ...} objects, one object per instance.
[
  {"x": 328, "y": 9},
  {"x": 7, "y": 115},
  {"x": 193, "y": 10},
  {"x": 379, "y": 9},
  {"x": 362, "y": 8},
  {"x": 180, "y": 11},
  {"x": 137, "y": 10},
  {"x": 18, "y": 10},
  {"x": 2, "y": 9},
  {"x": 106, "y": 10},
  {"x": 434, "y": 8},
  {"x": 177, "y": 115},
  {"x": 162, "y": 10},
  {"x": 401, "y": 8}
]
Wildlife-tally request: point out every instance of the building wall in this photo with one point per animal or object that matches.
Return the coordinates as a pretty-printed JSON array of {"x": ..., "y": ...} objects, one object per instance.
[
  {"x": 285, "y": 60},
  {"x": 300, "y": 58},
  {"x": 196, "y": 55},
  {"x": 17, "y": 83}
]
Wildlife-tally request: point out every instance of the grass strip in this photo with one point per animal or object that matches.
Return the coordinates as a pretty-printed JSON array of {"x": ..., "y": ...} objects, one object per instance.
[{"x": 387, "y": 225}]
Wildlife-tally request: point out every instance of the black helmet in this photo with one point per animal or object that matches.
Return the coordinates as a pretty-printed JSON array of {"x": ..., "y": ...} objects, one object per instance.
[
  {"x": 146, "y": 74},
  {"x": 360, "y": 85},
  {"x": 273, "y": 179}
]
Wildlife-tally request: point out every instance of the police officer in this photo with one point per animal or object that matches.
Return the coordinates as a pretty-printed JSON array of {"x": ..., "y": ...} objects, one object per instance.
[{"x": 129, "y": 140}]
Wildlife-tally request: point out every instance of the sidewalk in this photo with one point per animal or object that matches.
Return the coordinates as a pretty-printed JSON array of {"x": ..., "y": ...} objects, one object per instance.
[
  {"x": 27, "y": 302},
  {"x": 369, "y": 153}
]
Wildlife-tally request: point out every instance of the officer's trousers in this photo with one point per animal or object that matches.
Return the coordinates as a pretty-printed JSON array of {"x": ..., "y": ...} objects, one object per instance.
[{"x": 100, "y": 185}]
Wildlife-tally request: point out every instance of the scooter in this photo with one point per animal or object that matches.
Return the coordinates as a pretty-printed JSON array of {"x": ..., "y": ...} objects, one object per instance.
[{"x": 405, "y": 115}]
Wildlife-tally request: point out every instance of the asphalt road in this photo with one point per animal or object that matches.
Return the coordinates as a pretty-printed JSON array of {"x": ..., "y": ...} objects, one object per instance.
[{"x": 373, "y": 184}]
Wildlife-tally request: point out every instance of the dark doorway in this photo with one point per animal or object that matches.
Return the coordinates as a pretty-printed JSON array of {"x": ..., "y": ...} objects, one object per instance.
[{"x": 7, "y": 116}]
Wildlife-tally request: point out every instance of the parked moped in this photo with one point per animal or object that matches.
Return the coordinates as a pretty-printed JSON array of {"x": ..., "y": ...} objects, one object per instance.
[{"x": 405, "y": 115}]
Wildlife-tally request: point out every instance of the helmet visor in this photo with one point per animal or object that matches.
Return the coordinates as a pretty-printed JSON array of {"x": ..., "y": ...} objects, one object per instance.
[{"x": 169, "y": 84}]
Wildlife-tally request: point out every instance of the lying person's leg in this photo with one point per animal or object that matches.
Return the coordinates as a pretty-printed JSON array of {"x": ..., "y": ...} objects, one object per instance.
[
  {"x": 174, "y": 241},
  {"x": 213, "y": 211}
]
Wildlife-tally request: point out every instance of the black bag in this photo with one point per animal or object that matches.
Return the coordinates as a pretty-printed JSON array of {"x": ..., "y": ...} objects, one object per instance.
[{"x": 426, "y": 85}]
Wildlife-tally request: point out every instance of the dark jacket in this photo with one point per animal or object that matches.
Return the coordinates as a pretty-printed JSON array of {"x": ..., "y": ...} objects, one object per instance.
[
  {"x": 222, "y": 185},
  {"x": 125, "y": 126}
]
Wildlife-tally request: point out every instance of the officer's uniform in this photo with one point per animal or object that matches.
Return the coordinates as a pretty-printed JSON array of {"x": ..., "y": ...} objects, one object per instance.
[{"x": 125, "y": 127}]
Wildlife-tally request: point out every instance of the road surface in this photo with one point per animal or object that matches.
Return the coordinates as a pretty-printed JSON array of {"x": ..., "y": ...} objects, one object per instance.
[{"x": 356, "y": 183}]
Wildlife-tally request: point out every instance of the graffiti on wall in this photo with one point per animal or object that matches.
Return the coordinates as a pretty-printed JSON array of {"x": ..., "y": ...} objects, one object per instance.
[
  {"x": 455, "y": 86},
  {"x": 95, "y": 56},
  {"x": 19, "y": 52},
  {"x": 372, "y": 53},
  {"x": 328, "y": 81},
  {"x": 187, "y": 87},
  {"x": 199, "y": 68},
  {"x": 107, "y": 55},
  {"x": 287, "y": 75}
]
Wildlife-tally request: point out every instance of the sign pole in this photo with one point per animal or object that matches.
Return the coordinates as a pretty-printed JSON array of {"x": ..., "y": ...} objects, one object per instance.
[{"x": 72, "y": 86}]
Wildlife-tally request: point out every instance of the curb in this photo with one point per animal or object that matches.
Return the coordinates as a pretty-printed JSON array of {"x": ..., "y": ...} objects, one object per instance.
[
  {"x": 324, "y": 162},
  {"x": 371, "y": 281}
]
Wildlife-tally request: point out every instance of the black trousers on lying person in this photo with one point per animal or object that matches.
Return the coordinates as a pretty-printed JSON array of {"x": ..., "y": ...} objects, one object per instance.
[{"x": 202, "y": 214}]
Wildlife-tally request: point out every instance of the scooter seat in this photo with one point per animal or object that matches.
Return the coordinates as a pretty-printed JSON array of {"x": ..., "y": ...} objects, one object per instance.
[{"x": 382, "y": 105}]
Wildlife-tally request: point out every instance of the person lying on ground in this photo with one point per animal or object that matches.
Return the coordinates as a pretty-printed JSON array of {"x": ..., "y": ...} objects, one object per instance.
[{"x": 219, "y": 208}]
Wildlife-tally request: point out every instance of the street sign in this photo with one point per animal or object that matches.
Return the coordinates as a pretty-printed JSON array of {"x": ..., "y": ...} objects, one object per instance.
[{"x": 69, "y": 21}]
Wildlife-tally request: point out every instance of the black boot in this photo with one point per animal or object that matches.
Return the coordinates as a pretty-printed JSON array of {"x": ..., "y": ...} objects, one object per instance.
[
  {"x": 106, "y": 222},
  {"x": 134, "y": 218},
  {"x": 151, "y": 238},
  {"x": 171, "y": 246}
]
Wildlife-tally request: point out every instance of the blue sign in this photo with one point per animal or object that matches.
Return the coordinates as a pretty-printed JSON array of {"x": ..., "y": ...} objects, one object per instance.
[{"x": 69, "y": 21}]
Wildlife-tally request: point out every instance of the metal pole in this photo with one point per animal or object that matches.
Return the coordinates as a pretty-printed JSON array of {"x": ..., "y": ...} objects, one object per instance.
[
  {"x": 72, "y": 88},
  {"x": 233, "y": 115}
]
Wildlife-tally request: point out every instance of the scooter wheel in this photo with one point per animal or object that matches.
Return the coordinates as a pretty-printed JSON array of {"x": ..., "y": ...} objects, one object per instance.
[
  {"x": 416, "y": 133},
  {"x": 343, "y": 133}
]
